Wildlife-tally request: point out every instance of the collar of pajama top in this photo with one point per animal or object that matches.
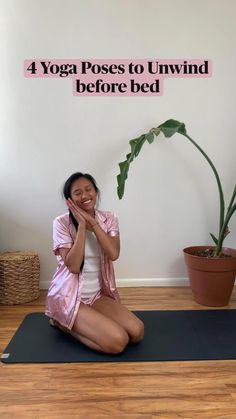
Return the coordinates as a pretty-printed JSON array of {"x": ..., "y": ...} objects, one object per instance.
[{"x": 64, "y": 294}]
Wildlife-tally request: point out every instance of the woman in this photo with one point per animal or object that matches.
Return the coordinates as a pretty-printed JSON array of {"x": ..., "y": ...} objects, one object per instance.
[{"x": 82, "y": 298}]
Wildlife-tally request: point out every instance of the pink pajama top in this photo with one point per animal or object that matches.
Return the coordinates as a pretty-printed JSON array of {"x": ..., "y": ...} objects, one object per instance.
[{"x": 64, "y": 294}]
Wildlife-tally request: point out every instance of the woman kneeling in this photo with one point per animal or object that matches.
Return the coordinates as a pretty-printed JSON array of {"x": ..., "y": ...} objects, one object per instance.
[{"x": 82, "y": 298}]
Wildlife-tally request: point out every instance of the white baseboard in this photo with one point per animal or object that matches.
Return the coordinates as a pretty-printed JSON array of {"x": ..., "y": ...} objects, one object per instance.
[
  {"x": 152, "y": 282},
  {"x": 141, "y": 282}
]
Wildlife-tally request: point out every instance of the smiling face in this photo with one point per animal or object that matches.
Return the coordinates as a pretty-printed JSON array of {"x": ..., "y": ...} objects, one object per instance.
[{"x": 84, "y": 194}]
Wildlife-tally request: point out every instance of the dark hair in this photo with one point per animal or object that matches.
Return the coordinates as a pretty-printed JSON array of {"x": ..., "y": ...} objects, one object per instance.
[{"x": 67, "y": 189}]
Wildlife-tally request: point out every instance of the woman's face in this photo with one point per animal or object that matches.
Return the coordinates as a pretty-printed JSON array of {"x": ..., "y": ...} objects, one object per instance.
[{"x": 84, "y": 194}]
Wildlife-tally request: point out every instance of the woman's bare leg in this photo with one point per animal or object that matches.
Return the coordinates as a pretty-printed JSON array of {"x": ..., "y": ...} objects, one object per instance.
[
  {"x": 98, "y": 331},
  {"x": 122, "y": 316},
  {"x": 83, "y": 339}
]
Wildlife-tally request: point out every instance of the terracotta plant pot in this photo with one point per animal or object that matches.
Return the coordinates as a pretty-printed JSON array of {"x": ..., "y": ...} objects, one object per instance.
[{"x": 211, "y": 279}]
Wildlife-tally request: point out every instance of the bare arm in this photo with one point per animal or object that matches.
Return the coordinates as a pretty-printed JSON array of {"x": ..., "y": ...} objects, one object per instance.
[
  {"x": 74, "y": 256},
  {"x": 109, "y": 244}
]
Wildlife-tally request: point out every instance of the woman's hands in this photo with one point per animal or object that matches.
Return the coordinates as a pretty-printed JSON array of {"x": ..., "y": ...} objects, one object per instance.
[
  {"x": 109, "y": 244},
  {"x": 81, "y": 216}
]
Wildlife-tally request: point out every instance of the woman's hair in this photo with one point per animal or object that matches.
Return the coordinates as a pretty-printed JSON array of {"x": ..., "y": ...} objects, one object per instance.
[{"x": 67, "y": 189}]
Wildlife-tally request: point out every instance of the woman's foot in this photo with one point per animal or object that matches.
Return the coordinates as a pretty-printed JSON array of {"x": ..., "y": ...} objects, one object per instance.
[{"x": 57, "y": 324}]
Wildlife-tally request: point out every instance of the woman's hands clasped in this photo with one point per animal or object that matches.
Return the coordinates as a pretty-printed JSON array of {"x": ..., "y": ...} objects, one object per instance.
[
  {"x": 110, "y": 245},
  {"x": 81, "y": 216}
]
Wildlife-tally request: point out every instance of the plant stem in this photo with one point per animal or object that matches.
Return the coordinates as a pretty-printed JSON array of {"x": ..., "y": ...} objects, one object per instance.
[
  {"x": 229, "y": 214},
  {"x": 232, "y": 199},
  {"x": 222, "y": 203}
]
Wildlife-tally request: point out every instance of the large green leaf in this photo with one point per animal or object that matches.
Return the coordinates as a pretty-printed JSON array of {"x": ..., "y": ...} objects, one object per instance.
[
  {"x": 136, "y": 145},
  {"x": 171, "y": 127}
]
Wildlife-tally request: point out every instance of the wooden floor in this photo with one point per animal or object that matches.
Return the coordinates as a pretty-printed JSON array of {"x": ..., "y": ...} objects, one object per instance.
[{"x": 117, "y": 390}]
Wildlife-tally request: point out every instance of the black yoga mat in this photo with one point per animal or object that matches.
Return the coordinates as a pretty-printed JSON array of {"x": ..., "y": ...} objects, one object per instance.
[{"x": 169, "y": 336}]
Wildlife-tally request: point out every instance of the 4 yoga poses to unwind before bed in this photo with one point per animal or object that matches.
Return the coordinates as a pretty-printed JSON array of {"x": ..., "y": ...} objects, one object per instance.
[{"x": 82, "y": 298}]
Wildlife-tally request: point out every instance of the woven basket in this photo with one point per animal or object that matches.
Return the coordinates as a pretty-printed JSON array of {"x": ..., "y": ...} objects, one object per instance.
[{"x": 19, "y": 277}]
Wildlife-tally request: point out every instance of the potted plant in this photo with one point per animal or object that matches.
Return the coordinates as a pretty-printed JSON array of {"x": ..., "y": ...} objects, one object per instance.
[{"x": 211, "y": 269}]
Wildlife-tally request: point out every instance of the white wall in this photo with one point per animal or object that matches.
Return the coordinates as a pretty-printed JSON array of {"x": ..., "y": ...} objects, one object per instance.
[{"x": 46, "y": 133}]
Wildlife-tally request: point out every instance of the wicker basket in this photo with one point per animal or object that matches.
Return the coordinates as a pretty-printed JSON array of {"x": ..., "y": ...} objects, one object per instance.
[{"x": 19, "y": 277}]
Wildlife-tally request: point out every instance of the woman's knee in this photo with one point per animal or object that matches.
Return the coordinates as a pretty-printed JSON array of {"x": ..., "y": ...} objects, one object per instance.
[
  {"x": 116, "y": 342},
  {"x": 137, "y": 331}
]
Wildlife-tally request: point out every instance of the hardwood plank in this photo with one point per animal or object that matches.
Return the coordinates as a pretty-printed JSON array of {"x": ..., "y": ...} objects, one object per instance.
[{"x": 168, "y": 407}]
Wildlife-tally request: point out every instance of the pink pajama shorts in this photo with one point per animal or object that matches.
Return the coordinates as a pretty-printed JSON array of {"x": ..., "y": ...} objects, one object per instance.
[{"x": 92, "y": 299}]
